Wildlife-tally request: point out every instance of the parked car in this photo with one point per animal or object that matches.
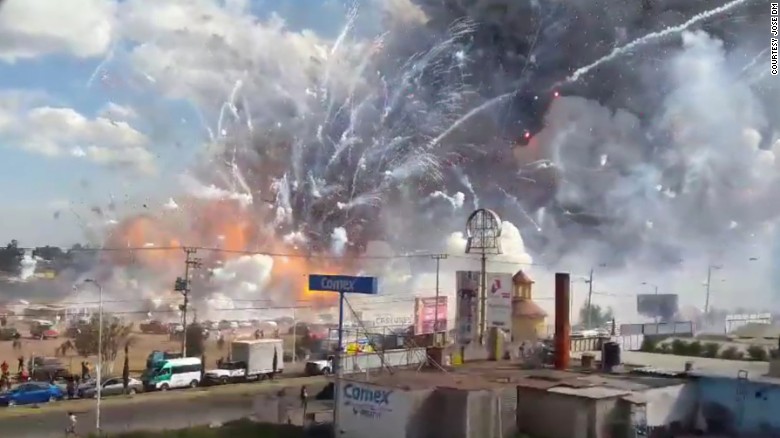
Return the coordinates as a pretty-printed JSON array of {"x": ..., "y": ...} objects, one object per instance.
[
  {"x": 154, "y": 327},
  {"x": 45, "y": 368},
  {"x": 31, "y": 393},
  {"x": 8, "y": 334},
  {"x": 111, "y": 386},
  {"x": 44, "y": 330}
]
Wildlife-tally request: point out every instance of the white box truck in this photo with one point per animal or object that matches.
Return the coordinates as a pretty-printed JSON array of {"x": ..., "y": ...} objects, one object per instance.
[{"x": 263, "y": 357}]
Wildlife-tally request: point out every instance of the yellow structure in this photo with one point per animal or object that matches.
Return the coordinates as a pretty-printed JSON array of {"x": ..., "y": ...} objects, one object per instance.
[{"x": 528, "y": 319}]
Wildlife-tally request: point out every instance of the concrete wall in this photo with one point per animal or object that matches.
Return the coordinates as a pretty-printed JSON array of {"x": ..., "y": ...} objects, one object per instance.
[
  {"x": 540, "y": 414},
  {"x": 732, "y": 405},
  {"x": 441, "y": 415},
  {"x": 386, "y": 415},
  {"x": 671, "y": 404},
  {"x": 458, "y": 413}
]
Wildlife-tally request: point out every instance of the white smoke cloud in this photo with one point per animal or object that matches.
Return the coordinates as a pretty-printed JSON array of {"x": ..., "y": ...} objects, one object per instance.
[
  {"x": 29, "y": 264},
  {"x": 195, "y": 188},
  {"x": 339, "y": 241},
  {"x": 240, "y": 283}
]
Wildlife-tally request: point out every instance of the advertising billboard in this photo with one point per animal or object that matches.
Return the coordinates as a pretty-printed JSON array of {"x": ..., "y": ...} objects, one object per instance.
[
  {"x": 661, "y": 306},
  {"x": 499, "y": 300},
  {"x": 427, "y": 315},
  {"x": 384, "y": 411},
  {"x": 467, "y": 296}
]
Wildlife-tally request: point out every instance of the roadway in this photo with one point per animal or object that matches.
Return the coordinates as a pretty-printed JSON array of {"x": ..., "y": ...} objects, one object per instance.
[
  {"x": 164, "y": 410},
  {"x": 670, "y": 362}
]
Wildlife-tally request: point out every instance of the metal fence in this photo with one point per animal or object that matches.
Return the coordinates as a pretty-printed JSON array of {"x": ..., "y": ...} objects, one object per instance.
[{"x": 363, "y": 362}]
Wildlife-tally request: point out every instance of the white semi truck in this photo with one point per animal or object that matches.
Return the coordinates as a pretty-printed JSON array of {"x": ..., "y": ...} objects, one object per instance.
[{"x": 255, "y": 359}]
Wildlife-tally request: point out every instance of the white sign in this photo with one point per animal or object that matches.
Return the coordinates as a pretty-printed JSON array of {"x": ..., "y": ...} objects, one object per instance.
[
  {"x": 388, "y": 319},
  {"x": 370, "y": 410},
  {"x": 499, "y": 300},
  {"x": 466, "y": 301}
]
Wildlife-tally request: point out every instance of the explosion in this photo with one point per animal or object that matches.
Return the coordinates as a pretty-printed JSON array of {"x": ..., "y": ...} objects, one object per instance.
[{"x": 598, "y": 130}]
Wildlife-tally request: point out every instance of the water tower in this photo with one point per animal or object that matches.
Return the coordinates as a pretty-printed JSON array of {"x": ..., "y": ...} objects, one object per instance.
[{"x": 483, "y": 234}]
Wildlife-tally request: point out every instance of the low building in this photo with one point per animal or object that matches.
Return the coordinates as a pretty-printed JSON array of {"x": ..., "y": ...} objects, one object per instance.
[
  {"x": 600, "y": 406},
  {"x": 490, "y": 400}
]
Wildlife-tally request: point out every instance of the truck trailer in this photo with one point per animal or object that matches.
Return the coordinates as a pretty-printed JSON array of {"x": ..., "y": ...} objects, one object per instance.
[{"x": 255, "y": 359}]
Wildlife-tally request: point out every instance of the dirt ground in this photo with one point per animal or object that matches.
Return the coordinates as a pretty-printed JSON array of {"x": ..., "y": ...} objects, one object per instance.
[{"x": 141, "y": 346}]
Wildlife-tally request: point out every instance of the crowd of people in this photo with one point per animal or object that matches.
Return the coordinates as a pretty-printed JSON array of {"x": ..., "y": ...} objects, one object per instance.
[{"x": 23, "y": 374}]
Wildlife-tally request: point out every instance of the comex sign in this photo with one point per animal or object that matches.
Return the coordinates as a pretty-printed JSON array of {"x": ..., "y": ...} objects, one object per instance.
[
  {"x": 343, "y": 284},
  {"x": 366, "y": 402}
]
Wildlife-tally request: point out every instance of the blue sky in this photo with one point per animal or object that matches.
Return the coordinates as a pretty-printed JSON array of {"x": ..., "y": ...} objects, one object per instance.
[{"x": 47, "y": 156}]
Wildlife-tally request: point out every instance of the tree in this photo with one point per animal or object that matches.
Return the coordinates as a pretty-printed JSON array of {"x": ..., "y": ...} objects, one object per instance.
[
  {"x": 11, "y": 258},
  {"x": 115, "y": 335},
  {"x": 195, "y": 340},
  {"x": 598, "y": 316},
  {"x": 48, "y": 253},
  {"x": 126, "y": 365}
]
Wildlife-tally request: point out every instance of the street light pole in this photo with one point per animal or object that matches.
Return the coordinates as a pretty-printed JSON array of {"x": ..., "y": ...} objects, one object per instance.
[
  {"x": 590, "y": 300},
  {"x": 438, "y": 258},
  {"x": 98, "y": 383}
]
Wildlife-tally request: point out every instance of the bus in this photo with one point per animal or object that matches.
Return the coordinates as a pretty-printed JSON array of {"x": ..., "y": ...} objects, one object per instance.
[{"x": 173, "y": 373}]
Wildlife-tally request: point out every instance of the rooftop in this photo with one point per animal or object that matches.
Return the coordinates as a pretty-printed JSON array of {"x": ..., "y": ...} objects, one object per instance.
[{"x": 486, "y": 375}]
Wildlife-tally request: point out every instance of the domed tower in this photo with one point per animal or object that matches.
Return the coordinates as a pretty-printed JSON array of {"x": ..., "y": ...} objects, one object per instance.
[{"x": 528, "y": 319}]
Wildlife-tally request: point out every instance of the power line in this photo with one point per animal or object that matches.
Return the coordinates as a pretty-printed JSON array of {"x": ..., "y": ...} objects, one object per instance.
[
  {"x": 239, "y": 309},
  {"x": 281, "y": 254}
]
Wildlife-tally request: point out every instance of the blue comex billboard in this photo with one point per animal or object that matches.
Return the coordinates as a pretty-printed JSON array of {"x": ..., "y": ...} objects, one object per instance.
[{"x": 344, "y": 284}]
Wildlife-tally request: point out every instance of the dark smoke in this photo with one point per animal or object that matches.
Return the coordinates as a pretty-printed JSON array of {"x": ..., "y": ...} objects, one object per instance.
[
  {"x": 615, "y": 167},
  {"x": 529, "y": 47}
]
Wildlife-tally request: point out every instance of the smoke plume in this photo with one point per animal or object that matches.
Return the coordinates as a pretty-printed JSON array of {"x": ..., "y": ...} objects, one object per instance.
[{"x": 660, "y": 159}]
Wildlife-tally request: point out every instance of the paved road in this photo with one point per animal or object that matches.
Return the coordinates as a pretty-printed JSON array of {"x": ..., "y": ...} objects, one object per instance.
[
  {"x": 701, "y": 364},
  {"x": 171, "y": 410}
]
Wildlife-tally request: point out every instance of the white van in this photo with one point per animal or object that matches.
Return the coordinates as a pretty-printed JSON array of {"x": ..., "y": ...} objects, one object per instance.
[{"x": 173, "y": 373}]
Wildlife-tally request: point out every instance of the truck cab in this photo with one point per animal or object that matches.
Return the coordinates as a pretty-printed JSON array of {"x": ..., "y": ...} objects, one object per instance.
[
  {"x": 227, "y": 372},
  {"x": 322, "y": 367}
]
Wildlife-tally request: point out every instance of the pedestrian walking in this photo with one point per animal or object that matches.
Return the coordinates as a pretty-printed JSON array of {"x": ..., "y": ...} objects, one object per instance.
[{"x": 70, "y": 430}]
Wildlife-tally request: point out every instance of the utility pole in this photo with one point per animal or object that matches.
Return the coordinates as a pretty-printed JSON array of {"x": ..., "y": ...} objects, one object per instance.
[
  {"x": 707, "y": 296},
  {"x": 438, "y": 258},
  {"x": 182, "y": 285},
  {"x": 483, "y": 300},
  {"x": 590, "y": 300}
]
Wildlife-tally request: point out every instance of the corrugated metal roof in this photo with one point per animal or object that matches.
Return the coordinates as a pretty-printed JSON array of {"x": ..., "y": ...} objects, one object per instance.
[{"x": 593, "y": 392}]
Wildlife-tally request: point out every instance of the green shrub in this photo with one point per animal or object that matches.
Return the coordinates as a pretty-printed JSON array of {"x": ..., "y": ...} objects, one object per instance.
[
  {"x": 695, "y": 349},
  {"x": 664, "y": 349},
  {"x": 710, "y": 349},
  {"x": 649, "y": 345},
  {"x": 679, "y": 347},
  {"x": 732, "y": 353},
  {"x": 757, "y": 353}
]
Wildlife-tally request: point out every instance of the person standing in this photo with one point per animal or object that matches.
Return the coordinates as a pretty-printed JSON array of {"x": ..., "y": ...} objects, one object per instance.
[
  {"x": 20, "y": 365},
  {"x": 304, "y": 399}
]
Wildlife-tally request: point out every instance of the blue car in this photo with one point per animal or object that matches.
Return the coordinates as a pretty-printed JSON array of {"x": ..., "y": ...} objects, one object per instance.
[{"x": 31, "y": 393}]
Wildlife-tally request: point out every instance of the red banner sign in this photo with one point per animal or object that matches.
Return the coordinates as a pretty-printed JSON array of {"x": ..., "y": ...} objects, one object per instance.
[{"x": 426, "y": 315}]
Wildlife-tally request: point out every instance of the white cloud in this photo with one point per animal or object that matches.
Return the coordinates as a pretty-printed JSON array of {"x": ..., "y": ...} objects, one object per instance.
[
  {"x": 30, "y": 28},
  {"x": 197, "y": 50},
  {"x": 54, "y": 132},
  {"x": 115, "y": 111}
]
